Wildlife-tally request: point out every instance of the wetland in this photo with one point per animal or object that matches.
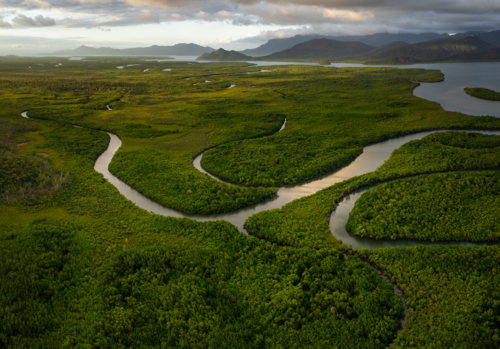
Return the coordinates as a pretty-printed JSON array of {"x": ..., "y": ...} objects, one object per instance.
[{"x": 122, "y": 235}]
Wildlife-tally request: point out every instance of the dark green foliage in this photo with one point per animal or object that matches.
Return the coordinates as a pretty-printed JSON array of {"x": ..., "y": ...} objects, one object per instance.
[
  {"x": 226, "y": 290},
  {"x": 29, "y": 179},
  {"x": 75, "y": 141},
  {"x": 483, "y": 93},
  {"x": 148, "y": 281},
  {"x": 276, "y": 160},
  {"x": 327, "y": 127},
  {"x": 25, "y": 179},
  {"x": 221, "y": 290},
  {"x": 88, "y": 193},
  {"x": 465, "y": 140},
  {"x": 10, "y": 133},
  {"x": 452, "y": 292},
  {"x": 444, "y": 152},
  {"x": 304, "y": 222},
  {"x": 40, "y": 267},
  {"x": 9, "y": 129},
  {"x": 167, "y": 182},
  {"x": 449, "y": 206}
]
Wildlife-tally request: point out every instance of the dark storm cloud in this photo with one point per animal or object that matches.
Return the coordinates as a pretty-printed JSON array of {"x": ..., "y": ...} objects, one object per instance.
[{"x": 332, "y": 16}]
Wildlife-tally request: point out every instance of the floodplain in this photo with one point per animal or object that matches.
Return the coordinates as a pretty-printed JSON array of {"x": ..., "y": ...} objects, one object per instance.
[{"x": 82, "y": 266}]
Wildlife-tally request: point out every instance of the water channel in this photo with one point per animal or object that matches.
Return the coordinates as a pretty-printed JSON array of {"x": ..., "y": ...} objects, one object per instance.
[{"x": 448, "y": 93}]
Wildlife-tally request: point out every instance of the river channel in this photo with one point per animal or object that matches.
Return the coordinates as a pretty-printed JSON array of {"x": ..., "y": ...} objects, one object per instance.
[{"x": 372, "y": 157}]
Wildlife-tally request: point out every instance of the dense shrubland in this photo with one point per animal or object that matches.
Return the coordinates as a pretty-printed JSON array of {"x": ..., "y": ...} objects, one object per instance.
[
  {"x": 221, "y": 286},
  {"x": 467, "y": 140},
  {"x": 304, "y": 222},
  {"x": 29, "y": 179},
  {"x": 443, "y": 152},
  {"x": 445, "y": 206},
  {"x": 41, "y": 267},
  {"x": 179, "y": 283},
  {"x": 107, "y": 274},
  {"x": 327, "y": 128},
  {"x": 483, "y": 93},
  {"x": 25, "y": 179},
  {"x": 165, "y": 180},
  {"x": 452, "y": 292}
]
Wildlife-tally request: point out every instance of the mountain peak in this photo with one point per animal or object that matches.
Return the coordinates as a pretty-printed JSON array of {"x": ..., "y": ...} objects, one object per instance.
[{"x": 223, "y": 55}]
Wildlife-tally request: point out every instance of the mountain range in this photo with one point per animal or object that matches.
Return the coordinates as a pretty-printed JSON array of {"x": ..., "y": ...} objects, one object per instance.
[
  {"x": 175, "y": 50},
  {"x": 376, "y": 40},
  {"x": 435, "y": 50},
  {"x": 469, "y": 48},
  {"x": 318, "y": 49}
]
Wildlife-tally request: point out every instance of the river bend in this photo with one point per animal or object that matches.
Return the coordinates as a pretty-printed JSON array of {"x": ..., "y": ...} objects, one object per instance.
[{"x": 372, "y": 157}]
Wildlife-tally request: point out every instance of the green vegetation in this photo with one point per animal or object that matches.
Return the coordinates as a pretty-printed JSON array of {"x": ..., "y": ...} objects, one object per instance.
[
  {"x": 219, "y": 285},
  {"x": 324, "y": 62},
  {"x": 81, "y": 266},
  {"x": 25, "y": 179},
  {"x": 41, "y": 267},
  {"x": 452, "y": 294},
  {"x": 342, "y": 126},
  {"x": 483, "y": 93},
  {"x": 236, "y": 287},
  {"x": 304, "y": 222},
  {"x": 443, "y": 152},
  {"x": 166, "y": 181},
  {"x": 28, "y": 178},
  {"x": 445, "y": 206}
]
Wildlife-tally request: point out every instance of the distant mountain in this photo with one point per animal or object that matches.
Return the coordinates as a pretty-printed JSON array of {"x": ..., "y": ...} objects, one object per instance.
[
  {"x": 175, "y": 50},
  {"x": 277, "y": 45},
  {"x": 393, "y": 61},
  {"x": 380, "y": 39},
  {"x": 223, "y": 55},
  {"x": 489, "y": 37},
  {"x": 392, "y": 45},
  {"x": 489, "y": 55},
  {"x": 321, "y": 49},
  {"x": 435, "y": 50}
]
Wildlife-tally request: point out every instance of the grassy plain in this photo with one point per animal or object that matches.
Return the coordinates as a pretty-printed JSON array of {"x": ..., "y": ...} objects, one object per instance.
[{"x": 83, "y": 267}]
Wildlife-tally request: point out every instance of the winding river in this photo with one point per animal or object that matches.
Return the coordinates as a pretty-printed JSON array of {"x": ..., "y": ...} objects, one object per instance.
[{"x": 372, "y": 157}]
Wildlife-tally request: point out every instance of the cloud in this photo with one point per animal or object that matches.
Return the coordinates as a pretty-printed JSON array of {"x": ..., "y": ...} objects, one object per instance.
[
  {"x": 37, "y": 21},
  {"x": 334, "y": 16}
]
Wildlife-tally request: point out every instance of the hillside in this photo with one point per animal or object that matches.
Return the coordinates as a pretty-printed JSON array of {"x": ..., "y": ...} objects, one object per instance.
[
  {"x": 392, "y": 45},
  {"x": 489, "y": 55},
  {"x": 223, "y": 55},
  {"x": 492, "y": 37},
  {"x": 435, "y": 50},
  {"x": 278, "y": 45},
  {"x": 175, "y": 50},
  {"x": 376, "y": 40},
  {"x": 319, "y": 49}
]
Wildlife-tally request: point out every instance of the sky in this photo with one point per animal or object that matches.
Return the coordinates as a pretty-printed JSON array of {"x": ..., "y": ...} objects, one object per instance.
[{"x": 29, "y": 27}]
